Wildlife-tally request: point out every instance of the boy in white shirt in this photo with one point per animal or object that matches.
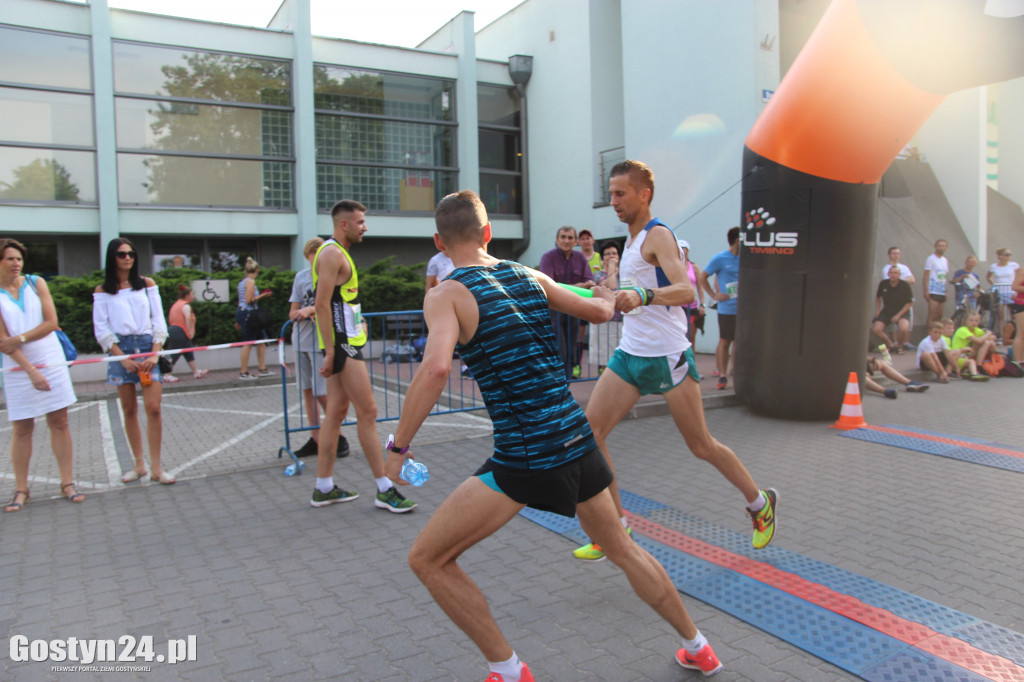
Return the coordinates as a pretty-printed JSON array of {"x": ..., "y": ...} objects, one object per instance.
[
  {"x": 933, "y": 354},
  {"x": 936, "y": 268}
]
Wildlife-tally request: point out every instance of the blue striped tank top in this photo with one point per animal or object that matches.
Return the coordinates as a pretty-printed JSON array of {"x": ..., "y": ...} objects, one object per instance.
[{"x": 514, "y": 359}]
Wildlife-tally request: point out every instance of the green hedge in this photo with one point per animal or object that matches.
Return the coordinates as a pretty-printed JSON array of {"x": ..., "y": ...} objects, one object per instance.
[{"x": 382, "y": 287}]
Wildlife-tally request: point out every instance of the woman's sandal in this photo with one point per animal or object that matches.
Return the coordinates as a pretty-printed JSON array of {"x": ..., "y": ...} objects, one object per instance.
[
  {"x": 132, "y": 475},
  {"x": 200, "y": 373},
  {"x": 14, "y": 505},
  {"x": 75, "y": 496},
  {"x": 164, "y": 479}
]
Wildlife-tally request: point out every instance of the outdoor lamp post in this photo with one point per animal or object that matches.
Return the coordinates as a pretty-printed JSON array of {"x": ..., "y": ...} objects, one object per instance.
[{"x": 520, "y": 68}]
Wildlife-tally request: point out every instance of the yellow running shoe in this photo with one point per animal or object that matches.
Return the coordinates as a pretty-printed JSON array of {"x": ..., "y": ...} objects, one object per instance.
[
  {"x": 593, "y": 551},
  {"x": 764, "y": 520}
]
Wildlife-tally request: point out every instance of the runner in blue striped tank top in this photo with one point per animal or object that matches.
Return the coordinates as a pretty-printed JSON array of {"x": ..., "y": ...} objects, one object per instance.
[{"x": 497, "y": 314}]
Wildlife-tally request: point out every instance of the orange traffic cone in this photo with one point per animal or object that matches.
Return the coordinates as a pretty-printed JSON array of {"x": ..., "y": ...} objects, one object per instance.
[{"x": 851, "y": 416}]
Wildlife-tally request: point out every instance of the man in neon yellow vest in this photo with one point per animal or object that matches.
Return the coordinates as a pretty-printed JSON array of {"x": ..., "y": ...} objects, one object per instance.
[{"x": 341, "y": 336}]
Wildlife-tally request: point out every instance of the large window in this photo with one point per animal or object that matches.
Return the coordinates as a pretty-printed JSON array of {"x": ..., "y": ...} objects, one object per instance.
[
  {"x": 47, "y": 146},
  {"x": 203, "y": 128},
  {"x": 384, "y": 139},
  {"x": 501, "y": 156},
  {"x": 211, "y": 255}
]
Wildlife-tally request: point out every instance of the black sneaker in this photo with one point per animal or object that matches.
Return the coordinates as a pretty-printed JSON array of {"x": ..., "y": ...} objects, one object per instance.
[
  {"x": 891, "y": 393},
  {"x": 343, "y": 448},
  {"x": 337, "y": 495},
  {"x": 308, "y": 449}
]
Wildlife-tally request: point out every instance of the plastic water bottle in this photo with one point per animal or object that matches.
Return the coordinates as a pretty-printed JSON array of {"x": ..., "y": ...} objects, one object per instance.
[
  {"x": 414, "y": 472},
  {"x": 884, "y": 350}
]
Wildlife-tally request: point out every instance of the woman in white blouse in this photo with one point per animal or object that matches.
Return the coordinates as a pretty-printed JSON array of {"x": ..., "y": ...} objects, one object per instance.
[{"x": 128, "y": 318}]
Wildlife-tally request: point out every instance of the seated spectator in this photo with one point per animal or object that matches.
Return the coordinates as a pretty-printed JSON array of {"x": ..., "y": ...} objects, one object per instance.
[
  {"x": 890, "y": 372},
  {"x": 933, "y": 354},
  {"x": 974, "y": 342},
  {"x": 893, "y": 300},
  {"x": 966, "y": 368},
  {"x": 967, "y": 285}
]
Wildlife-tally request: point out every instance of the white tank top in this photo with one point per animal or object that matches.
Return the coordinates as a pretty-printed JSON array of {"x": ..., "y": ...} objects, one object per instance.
[{"x": 655, "y": 330}]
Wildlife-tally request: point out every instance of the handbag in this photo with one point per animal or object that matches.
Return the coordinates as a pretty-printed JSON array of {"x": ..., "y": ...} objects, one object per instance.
[
  {"x": 259, "y": 319},
  {"x": 70, "y": 352}
]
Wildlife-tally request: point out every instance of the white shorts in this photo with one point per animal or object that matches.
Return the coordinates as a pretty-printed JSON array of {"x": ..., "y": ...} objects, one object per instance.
[{"x": 308, "y": 364}]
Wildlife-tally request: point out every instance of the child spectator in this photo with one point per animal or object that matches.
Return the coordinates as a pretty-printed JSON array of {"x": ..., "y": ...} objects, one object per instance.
[
  {"x": 890, "y": 372},
  {"x": 974, "y": 342},
  {"x": 933, "y": 354},
  {"x": 965, "y": 366}
]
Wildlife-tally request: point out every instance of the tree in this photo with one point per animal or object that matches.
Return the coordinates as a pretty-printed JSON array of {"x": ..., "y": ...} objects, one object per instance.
[{"x": 41, "y": 180}]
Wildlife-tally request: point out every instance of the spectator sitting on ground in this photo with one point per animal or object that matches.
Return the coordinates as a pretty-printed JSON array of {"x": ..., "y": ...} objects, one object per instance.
[
  {"x": 974, "y": 342},
  {"x": 933, "y": 354},
  {"x": 890, "y": 372},
  {"x": 965, "y": 366},
  {"x": 893, "y": 300}
]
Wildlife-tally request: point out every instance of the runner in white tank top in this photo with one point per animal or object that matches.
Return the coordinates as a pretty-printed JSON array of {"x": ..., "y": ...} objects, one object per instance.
[{"x": 654, "y": 330}]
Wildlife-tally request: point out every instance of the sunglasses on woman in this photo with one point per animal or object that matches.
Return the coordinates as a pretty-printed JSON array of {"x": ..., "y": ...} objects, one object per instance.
[{"x": 126, "y": 254}]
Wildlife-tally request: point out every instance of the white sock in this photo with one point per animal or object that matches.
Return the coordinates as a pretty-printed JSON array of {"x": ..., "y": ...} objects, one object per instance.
[
  {"x": 758, "y": 504},
  {"x": 325, "y": 485},
  {"x": 383, "y": 483},
  {"x": 625, "y": 523},
  {"x": 696, "y": 644},
  {"x": 509, "y": 670}
]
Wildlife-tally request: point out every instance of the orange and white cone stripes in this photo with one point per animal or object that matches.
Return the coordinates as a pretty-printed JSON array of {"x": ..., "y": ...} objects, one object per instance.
[{"x": 851, "y": 416}]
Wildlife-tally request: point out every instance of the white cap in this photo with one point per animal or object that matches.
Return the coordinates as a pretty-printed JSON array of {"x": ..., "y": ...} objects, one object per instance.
[{"x": 683, "y": 244}]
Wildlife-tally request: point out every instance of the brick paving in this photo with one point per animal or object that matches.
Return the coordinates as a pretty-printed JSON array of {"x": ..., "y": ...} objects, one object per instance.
[{"x": 273, "y": 589}]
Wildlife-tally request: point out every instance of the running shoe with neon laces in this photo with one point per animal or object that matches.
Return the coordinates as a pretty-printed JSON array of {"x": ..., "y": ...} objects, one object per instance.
[
  {"x": 704, "y": 660},
  {"x": 393, "y": 501},
  {"x": 593, "y": 551},
  {"x": 764, "y": 520},
  {"x": 524, "y": 676},
  {"x": 337, "y": 495}
]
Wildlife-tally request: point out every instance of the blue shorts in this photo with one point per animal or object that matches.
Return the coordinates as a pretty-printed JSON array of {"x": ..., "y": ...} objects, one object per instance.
[
  {"x": 117, "y": 375},
  {"x": 654, "y": 375}
]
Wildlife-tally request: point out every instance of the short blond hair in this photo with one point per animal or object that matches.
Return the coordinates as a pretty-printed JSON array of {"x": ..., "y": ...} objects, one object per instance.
[{"x": 312, "y": 245}]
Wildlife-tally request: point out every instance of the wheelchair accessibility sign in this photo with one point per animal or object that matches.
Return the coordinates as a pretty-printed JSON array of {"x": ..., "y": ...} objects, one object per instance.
[{"x": 211, "y": 290}]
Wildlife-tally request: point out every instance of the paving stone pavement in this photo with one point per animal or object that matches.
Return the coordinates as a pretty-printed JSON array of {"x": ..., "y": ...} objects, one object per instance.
[{"x": 273, "y": 589}]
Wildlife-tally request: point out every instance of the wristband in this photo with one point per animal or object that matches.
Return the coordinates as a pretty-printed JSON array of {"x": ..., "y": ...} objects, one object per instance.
[
  {"x": 641, "y": 294},
  {"x": 649, "y": 296},
  {"x": 391, "y": 446},
  {"x": 23, "y": 339}
]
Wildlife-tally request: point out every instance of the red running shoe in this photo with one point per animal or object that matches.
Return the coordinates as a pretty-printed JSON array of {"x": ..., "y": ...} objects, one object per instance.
[{"x": 704, "y": 660}]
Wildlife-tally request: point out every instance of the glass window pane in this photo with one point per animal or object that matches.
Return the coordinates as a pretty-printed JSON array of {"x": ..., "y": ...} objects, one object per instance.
[
  {"x": 42, "y": 258},
  {"x": 497, "y": 105},
  {"x": 174, "y": 72},
  {"x": 501, "y": 194},
  {"x": 190, "y": 181},
  {"x": 384, "y": 190},
  {"x": 377, "y": 141},
  {"x": 47, "y": 175},
  {"x": 36, "y": 58},
  {"x": 499, "y": 150},
  {"x": 40, "y": 117},
  {"x": 228, "y": 255},
  {"x": 339, "y": 88},
  {"x": 176, "y": 126}
]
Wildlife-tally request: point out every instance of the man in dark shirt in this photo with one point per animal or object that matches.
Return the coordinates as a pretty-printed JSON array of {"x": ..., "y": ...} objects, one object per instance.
[
  {"x": 566, "y": 265},
  {"x": 892, "y": 303}
]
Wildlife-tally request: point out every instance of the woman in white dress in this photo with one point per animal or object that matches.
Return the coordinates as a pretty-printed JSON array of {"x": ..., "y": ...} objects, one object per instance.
[
  {"x": 128, "y": 318},
  {"x": 27, "y": 324}
]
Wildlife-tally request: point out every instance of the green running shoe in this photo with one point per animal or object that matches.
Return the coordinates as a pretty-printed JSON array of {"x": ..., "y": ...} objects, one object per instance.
[
  {"x": 393, "y": 501},
  {"x": 337, "y": 495},
  {"x": 593, "y": 551},
  {"x": 764, "y": 520}
]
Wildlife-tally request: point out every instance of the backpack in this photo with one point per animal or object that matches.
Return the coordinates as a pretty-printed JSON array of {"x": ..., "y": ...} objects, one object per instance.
[
  {"x": 1012, "y": 369},
  {"x": 994, "y": 365}
]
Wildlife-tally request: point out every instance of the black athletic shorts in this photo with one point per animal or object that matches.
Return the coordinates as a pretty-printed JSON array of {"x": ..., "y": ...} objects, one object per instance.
[
  {"x": 342, "y": 352},
  {"x": 938, "y": 298},
  {"x": 556, "y": 490},
  {"x": 726, "y": 327}
]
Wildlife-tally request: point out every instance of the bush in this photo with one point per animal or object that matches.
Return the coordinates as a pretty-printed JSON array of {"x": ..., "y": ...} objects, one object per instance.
[{"x": 383, "y": 287}]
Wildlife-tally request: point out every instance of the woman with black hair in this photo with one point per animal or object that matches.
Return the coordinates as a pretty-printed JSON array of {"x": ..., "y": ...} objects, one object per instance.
[{"x": 128, "y": 318}]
